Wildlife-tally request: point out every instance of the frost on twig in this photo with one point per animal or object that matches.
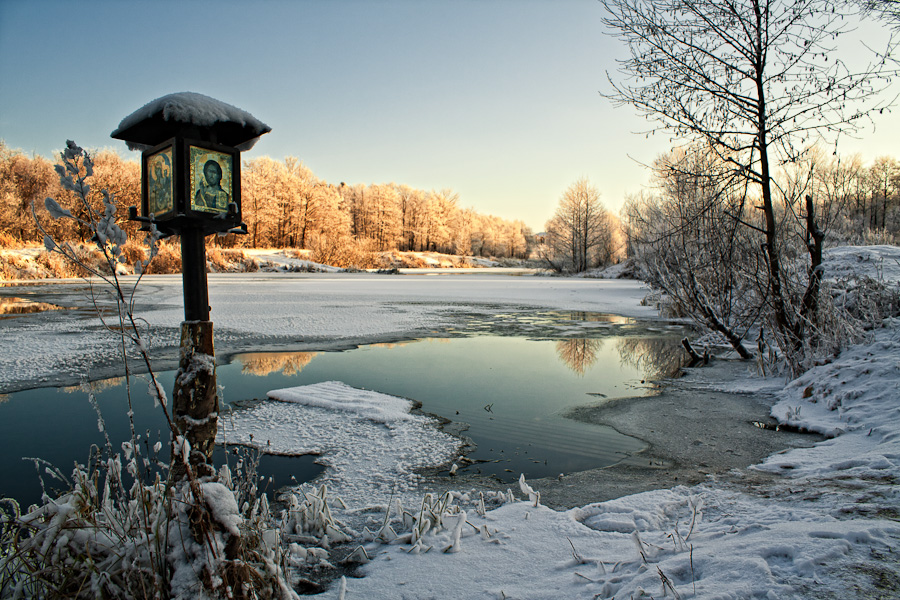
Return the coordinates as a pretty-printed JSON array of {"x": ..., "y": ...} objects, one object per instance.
[
  {"x": 667, "y": 584},
  {"x": 533, "y": 496}
]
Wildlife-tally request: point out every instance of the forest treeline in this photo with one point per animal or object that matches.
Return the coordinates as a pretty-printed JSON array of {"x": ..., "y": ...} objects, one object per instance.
[
  {"x": 854, "y": 203},
  {"x": 691, "y": 200},
  {"x": 285, "y": 205}
]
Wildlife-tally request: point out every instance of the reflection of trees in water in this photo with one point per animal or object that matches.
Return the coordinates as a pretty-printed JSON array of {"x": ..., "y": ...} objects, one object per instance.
[
  {"x": 390, "y": 345},
  {"x": 593, "y": 317},
  {"x": 20, "y": 306},
  {"x": 656, "y": 357},
  {"x": 263, "y": 363},
  {"x": 579, "y": 354},
  {"x": 4, "y": 398},
  {"x": 94, "y": 386}
]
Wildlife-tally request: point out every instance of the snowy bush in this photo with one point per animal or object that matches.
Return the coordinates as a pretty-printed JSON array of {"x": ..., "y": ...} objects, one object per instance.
[
  {"x": 7, "y": 240},
  {"x": 103, "y": 538}
]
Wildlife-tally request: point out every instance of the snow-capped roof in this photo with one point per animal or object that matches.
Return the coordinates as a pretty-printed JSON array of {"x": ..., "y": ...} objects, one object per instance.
[{"x": 160, "y": 119}]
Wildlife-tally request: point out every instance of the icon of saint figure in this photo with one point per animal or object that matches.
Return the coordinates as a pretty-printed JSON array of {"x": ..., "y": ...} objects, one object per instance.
[
  {"x": 210, "y": 193},
  {"x": 160, "y": 191}
]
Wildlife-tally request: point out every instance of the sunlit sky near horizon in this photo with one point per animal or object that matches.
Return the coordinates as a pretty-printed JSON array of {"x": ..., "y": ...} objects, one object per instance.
[{"x": 498, "y": 100}]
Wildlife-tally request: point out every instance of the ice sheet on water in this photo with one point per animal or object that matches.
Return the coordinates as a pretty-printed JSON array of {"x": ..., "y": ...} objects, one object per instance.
[
  {"x": 338, "y": 396},
  {"x": 370, "y": 441}
]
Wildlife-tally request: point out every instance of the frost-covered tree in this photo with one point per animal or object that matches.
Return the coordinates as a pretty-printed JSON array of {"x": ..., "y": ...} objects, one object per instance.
[
  {"x": 887, "y": 10},
  {"x": 580, "y": 235},
  {"x": 386, "y": 216},
  {"x": 689, "y": 241},
  {"x": 884, "y": 180},
  {"x": 757, "y": 82},
  {"x": 284, "y": 205},
  {"x": 23, "y": 181},
  {"x": 259, "y": 181},
  {"x": 441, "y": 209}
]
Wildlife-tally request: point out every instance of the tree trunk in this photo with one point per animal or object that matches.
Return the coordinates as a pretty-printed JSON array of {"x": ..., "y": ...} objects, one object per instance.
[
  {"x": 783, "y": 321},
  {"x": 814, "y": 240}
]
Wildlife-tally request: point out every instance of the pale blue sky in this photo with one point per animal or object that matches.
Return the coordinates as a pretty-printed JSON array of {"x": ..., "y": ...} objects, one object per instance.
[{"x": 496, "y": 99}]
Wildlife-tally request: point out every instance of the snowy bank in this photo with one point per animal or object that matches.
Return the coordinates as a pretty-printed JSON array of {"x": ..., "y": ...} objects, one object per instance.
[
  {"x": 826, "y": 526},
  {"x": 856, "y": 401}
]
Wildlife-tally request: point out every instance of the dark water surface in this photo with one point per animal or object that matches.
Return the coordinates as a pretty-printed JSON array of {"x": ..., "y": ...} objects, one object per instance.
[
  {"x": 508, "y": 390},
  {"x": 59, "y": 426}
]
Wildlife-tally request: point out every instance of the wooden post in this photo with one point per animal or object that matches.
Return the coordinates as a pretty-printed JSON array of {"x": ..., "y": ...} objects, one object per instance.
[
  {"x": 169, "y": 130},
  {"x": 193, "y": 275},
  {"x": 196, "y": 403}
]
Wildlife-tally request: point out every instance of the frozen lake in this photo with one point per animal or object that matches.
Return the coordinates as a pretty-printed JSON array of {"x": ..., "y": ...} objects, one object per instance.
[
  {"x": 499, "y": 356},
  {"x": 268, "y": 311}
]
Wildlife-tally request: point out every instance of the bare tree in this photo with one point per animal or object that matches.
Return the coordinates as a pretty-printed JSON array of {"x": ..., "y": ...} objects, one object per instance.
[
  {"x": 757, "y": 81},
  {"x": 689, "y": 242},
  {"x": 884, "y": 177},
  {"x": 887, "y": 10},
  {"x": 579, "y": 236}
]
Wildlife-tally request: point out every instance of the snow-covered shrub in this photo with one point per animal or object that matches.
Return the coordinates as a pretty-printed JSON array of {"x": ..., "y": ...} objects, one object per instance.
[
  {"x": 854, "y": 299},
  {"x": 343, "y": 251},
  {"x": 14, "y": 267},
  {"x": 412, "y": 526},
  {"x": 240, "y": 262},
  {"x": 229, "y": 261},
  {"x": 104, "y": 538},
  {"x": 133, "y": 253},
  {"x": 86, "y": 261},
  {"x": 866, "y": 299},
  {"x": 311, "y": 518},
  {"x": 438, "y": 522},
  {"x": 689, "y": 242}
]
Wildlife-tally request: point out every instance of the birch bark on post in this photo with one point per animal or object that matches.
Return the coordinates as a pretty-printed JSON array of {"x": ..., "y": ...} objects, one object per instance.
[{"x": 195, "y": 404}]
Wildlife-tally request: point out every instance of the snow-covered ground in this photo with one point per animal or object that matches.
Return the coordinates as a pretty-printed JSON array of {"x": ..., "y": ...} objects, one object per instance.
[{"x": 819, "y": 522}]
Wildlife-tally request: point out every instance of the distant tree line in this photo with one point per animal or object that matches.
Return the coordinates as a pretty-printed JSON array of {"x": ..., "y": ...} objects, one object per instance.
[
  {"x": 284, "y": 204},
  {"x": 26, "y": 180},
  {"x": 693, "y": 206}
]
